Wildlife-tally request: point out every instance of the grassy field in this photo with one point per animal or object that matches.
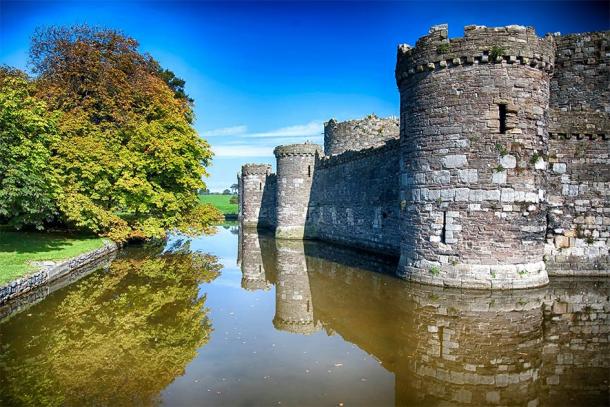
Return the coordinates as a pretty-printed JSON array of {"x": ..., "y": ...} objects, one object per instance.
[
  {"x": 18, "y": 249},
  {"x": 221, "y": 202}
]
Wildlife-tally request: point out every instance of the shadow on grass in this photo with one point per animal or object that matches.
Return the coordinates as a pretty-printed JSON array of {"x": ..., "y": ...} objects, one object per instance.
[{"x": 37, "y": 242}]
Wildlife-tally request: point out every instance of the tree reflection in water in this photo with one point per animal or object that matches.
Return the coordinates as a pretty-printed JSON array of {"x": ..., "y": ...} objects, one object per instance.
[{"x": 118, "y": 337}]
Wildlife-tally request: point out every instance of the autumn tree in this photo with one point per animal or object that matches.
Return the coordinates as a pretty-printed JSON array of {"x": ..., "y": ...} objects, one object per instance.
[{"x": 129, "y": 159}]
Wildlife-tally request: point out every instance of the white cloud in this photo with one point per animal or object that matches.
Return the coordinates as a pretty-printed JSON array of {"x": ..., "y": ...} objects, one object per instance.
[
  {"x": 243, "y": 150},
  {"x": 226, "y": 131},
  {"x": 310, "y": 129},
  {"x": 261, "y": 144}
]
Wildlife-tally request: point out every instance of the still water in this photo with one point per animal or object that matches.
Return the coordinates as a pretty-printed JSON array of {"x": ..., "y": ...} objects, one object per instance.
[{"x": 238, "y": 318}]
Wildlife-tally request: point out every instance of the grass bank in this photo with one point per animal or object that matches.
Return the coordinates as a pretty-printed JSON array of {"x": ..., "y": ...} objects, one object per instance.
[
  {"x": 221, "y": 202},
  {"x": 19, "y": 249}
]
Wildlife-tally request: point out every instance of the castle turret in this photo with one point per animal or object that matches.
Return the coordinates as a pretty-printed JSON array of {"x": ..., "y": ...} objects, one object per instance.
[
  {"x": 473, "y": 157},
  {"x": 257, "y": 198},
  {"x": 355, "y": 135},
  {"x": 293, "y": 306},
  {"x": 295, "y": 169}
]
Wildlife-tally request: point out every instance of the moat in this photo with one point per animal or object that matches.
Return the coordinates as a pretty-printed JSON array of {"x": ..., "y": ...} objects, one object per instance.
[{"x": 239, "y": 318}]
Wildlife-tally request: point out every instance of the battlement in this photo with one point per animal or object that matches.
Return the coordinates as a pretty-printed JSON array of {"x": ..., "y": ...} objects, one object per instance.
[
  {"x": 583, "y": 48},
  {"x": 256, "y": 169},
  {"x": 513, "y": 44},
  {"x": 305, "y": 149},
  {"x": 349, "y": 156},
  {"x": 354, "y": 135},
  {"x": 578, "y": 124}
]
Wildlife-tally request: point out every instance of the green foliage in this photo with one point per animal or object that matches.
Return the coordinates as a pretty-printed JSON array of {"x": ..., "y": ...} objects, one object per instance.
[
  {"x": 499, "y": 168},
  {"x": 116, "y": 338},
  {"x": 501, "y": 150},
  {"x": 234, "y": 200},
  {"x": 535, "y": 158},
  {"x": 443, "y": 48},
  {"x": 434, "y": 270},
  {"x": 496, "y": 52},
  {"x": 28, "y": 183},
  {"x": 120, "y": 158}
]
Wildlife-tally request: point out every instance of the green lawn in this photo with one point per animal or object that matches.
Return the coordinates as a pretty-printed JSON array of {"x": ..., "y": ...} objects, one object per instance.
[
  {"x": 18, "y": 249},
  {"x": 221, "y": 202}
]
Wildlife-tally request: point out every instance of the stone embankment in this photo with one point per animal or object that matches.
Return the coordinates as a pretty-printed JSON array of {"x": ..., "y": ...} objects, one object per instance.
[{"x": 52, "y": 271}]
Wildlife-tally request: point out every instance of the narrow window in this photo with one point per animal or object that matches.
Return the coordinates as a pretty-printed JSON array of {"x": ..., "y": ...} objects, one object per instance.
[
  {"x": 443, "y": 233},
  {"x": 260, "y": 269},
  {"x": 309, "y": 171},
  {"x": 307, "y": 305},
  {"x": 260, "y": 186},
  {"x": 502, "y": 109}
]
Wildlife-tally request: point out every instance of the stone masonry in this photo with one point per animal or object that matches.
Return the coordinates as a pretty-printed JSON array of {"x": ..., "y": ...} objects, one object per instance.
[{"x": 496, "y": 175}]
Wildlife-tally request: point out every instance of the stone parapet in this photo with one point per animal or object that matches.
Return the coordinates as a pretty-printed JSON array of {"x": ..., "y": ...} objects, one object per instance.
[
  {"x": 305, "y": 149},
  {"x": 511, "y": 45},
  {"x": 256, "y": 169},
  {"x": 355, "y": 135}
]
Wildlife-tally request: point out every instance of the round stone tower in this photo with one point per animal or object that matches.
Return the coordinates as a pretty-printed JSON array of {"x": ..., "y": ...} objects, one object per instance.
[
  {"x": 295, "y": 171},
  {"x": 355, "y": 135},
  {"x": 252, "y": 188},
  {"x": 473, "y": 157},
  {"x": 293, "y": 306}
]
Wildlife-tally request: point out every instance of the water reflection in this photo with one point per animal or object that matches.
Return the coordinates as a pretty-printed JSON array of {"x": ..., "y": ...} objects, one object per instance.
[
  {"x": 545, "y": 346},
  {"x": 115, "y": 338},
  {"x": 293, "y": 305},
  {"x": 299, "y": 323}
]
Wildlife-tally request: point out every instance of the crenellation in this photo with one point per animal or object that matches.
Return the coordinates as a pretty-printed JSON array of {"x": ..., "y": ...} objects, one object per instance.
[
  {"x": 495, "y": 175},
  {"x": 511, "y": 45}
]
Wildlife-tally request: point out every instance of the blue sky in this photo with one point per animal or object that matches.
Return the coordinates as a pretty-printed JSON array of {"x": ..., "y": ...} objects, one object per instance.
[{"x": 264, "y": 74}]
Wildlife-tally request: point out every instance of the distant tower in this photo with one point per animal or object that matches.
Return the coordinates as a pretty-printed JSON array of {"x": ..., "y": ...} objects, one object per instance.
[
  {"x": 355, "y": 135},
  {"x": 257, "y": 197},
  {"x": 293, "y": 305},
  {"x": 295, "y": 170},
  {"x": 473, "y": 157}
]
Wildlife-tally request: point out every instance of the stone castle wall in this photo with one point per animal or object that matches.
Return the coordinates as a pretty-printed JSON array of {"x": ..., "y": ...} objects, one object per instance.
[
  {"x": 362, "y": 209},
  {"x": 473, "y": 187},
  {"x": 499, "y": 171},
  {"x": 355, "y": 135},
  {"x": 579, "y": 162}
]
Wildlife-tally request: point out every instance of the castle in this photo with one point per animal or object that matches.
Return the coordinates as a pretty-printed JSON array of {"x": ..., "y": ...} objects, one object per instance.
[{"x": 496, "y": 174}]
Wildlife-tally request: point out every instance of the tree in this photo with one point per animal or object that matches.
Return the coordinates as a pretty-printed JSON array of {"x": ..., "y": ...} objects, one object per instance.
[
  {"x": 29, "y": 186},
  {"x": 226, "y": 192},
  {"x": 129, "y": 159},
  {"x": 234, "y": 188}
]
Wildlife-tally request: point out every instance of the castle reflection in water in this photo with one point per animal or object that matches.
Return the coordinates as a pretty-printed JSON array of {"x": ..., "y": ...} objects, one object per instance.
[{"x": 546, "y": 346}]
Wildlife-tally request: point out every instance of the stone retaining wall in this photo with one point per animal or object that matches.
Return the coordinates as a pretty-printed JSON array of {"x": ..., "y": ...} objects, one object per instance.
[{"x": 26, "y": 284}]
